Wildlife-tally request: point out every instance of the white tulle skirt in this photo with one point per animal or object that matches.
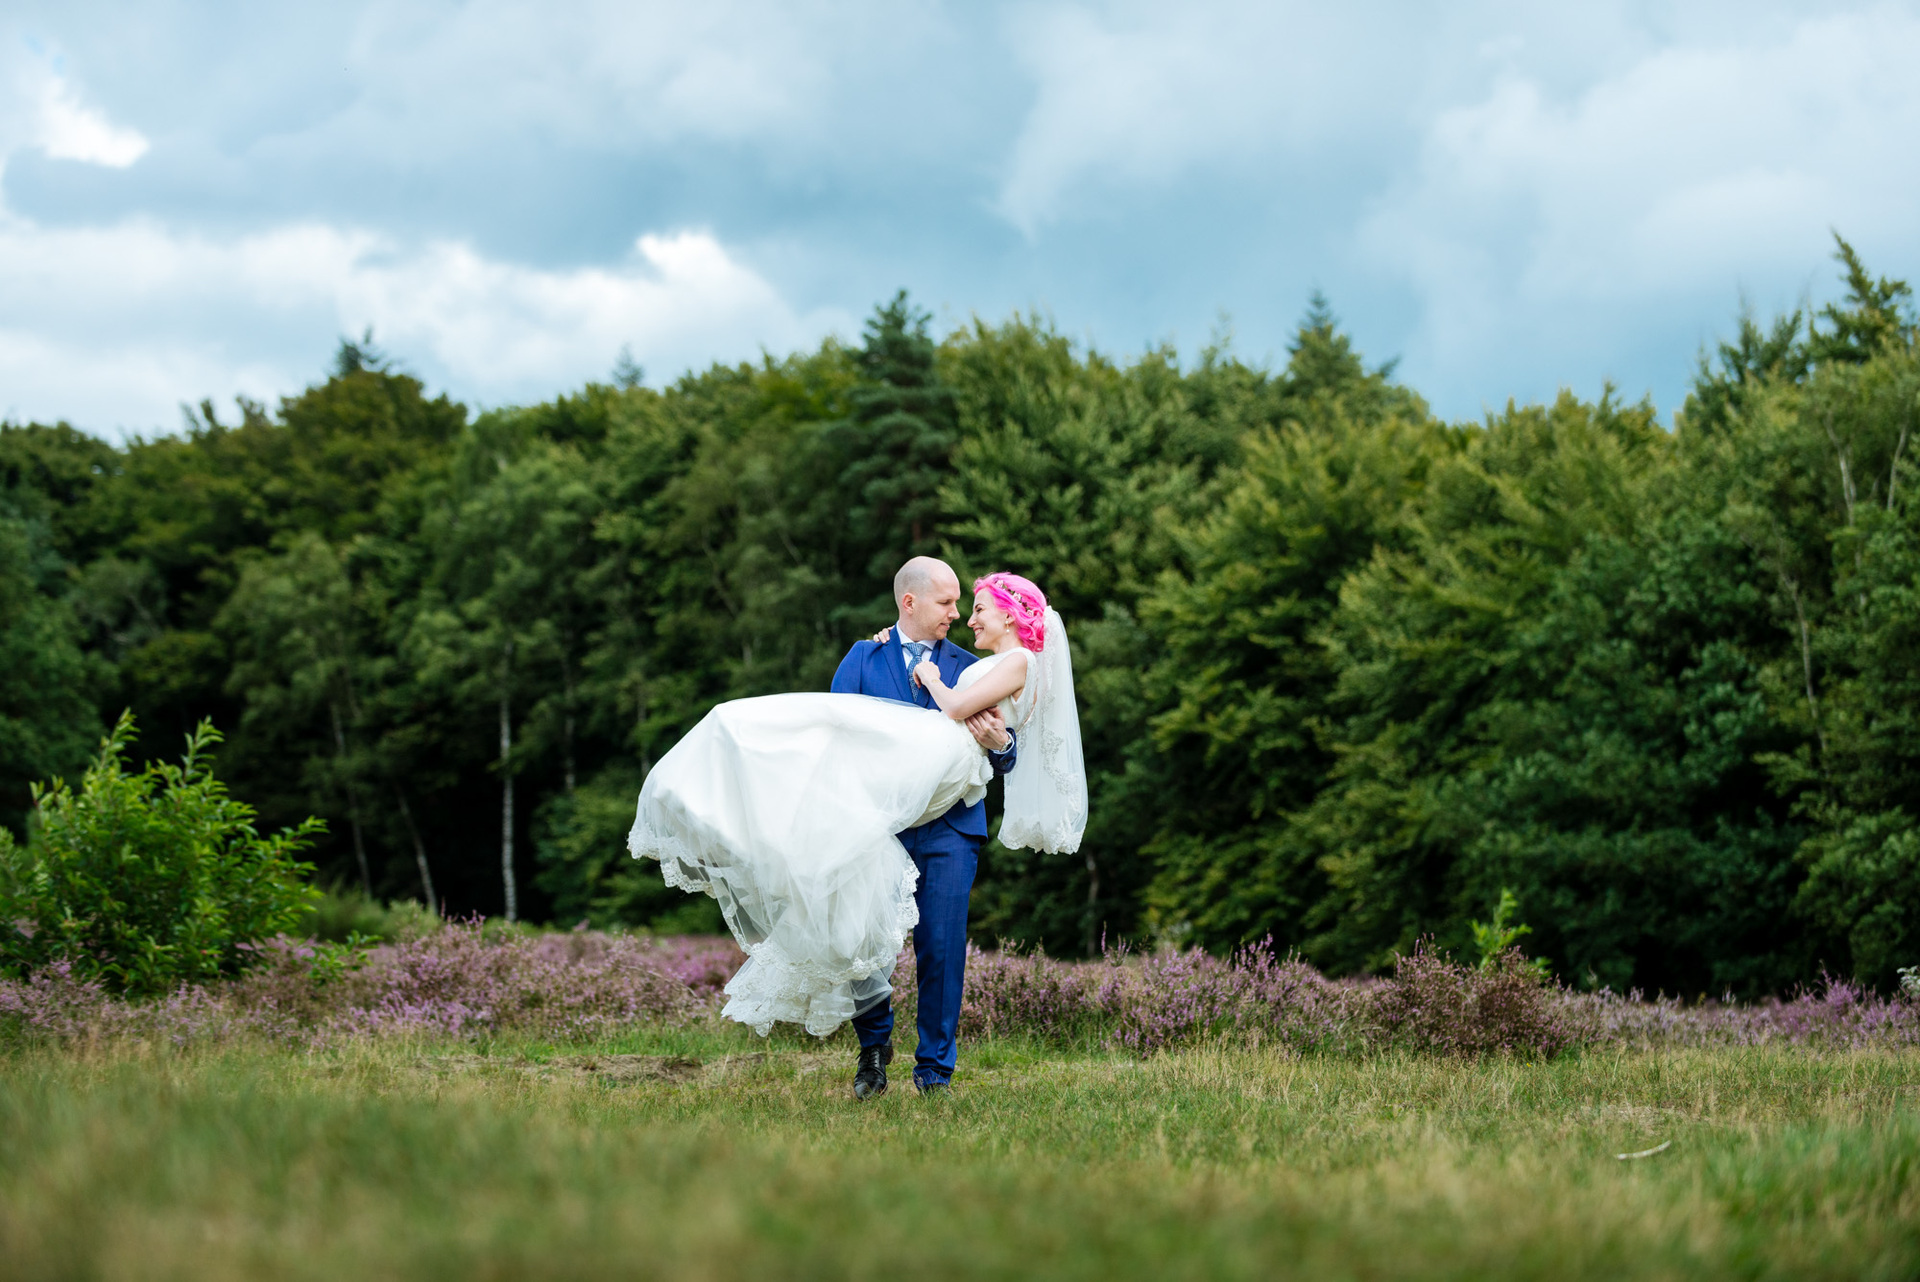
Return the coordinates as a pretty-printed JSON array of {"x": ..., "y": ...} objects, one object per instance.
[{"x": 784, "y": 809}]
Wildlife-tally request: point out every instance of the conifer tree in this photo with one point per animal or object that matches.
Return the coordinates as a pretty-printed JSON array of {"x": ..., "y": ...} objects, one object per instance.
[{"x": 897, "y": 446}]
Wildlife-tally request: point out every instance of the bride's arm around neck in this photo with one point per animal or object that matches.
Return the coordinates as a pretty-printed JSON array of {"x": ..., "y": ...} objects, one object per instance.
[{"x": 1003, "y": 681}]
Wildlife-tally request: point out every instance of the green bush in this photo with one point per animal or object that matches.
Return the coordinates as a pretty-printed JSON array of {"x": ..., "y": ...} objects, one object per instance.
[
  {"x": 342, "y": 913},
  {"x": 146, "y": 881}
]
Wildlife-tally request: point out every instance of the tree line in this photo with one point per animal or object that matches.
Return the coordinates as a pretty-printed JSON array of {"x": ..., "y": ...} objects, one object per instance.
[{"x": 1347, "y": 670}]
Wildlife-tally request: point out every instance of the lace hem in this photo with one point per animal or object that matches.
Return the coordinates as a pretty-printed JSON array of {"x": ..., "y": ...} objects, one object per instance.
[
  {"x": 773, "y": 986},
  {"x": 1062, "y": 839}
]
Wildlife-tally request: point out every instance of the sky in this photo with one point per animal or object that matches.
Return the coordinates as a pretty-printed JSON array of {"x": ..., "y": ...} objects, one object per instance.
[{"x": 198, "y": 200}]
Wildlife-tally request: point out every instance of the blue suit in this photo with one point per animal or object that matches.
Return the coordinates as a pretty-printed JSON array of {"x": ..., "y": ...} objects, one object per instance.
[{"x": 946, "y": 852}]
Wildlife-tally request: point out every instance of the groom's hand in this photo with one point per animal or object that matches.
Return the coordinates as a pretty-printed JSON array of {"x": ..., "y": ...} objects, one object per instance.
[{"x": 990, "y": 730}]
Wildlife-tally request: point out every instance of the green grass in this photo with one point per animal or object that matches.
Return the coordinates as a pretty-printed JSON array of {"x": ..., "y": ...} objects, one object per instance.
[{"x": 709, "y": 1154}]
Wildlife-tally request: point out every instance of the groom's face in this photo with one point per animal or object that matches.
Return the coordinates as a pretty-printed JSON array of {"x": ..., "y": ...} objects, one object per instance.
[{"x": 927, "y": 615}]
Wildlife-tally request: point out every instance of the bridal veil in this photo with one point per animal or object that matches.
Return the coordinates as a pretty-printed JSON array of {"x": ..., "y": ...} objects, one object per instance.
[{"x": 1046, "y": 797}]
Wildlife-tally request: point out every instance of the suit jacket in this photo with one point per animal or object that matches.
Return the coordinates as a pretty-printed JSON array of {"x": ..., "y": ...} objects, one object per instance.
[{"x": 880, "y": 668}]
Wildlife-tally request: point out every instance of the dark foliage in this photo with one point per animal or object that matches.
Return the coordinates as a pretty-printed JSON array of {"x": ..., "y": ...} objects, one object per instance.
[{"x": 1348, "y": 672}]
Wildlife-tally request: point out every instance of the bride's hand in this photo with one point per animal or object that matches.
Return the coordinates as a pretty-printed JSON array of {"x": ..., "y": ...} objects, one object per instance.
[
  {"x": 927, "y": 674},
  {"x": 989, "y": 730},
  {"x": 882, "y": 635}
]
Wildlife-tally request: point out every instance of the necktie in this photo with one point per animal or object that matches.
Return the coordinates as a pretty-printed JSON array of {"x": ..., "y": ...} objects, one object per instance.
[{"x": 916, "y": 651}]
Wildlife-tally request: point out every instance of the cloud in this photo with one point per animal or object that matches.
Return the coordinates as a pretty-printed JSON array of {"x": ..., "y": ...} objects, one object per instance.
[
  {"x": 1138, "y": 96},
  {"x": 70, "y": 130},
  {"x": 500, "y": 326},
  {"x": 1542, "y": 222},
  {"x": 128, "y": 320},
  {"x": 43, "y": 110},
  {"x": 113, "y": 322},
  {"x": 1508, "y": 195}
]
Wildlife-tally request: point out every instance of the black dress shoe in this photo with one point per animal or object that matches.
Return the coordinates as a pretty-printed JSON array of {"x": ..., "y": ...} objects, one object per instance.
[{"x": 870, "y": 1079}]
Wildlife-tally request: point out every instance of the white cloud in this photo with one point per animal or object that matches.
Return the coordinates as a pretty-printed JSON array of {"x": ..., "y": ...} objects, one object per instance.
[
  {"x": 112, "y": 325},
  {"x": 1537, "y": 221},
  {"x": 499, "y": 326},
  {"x": 71, "y": 130},
  {"x": 129, "y": 320},
  {"x": 42, "y": 108}
]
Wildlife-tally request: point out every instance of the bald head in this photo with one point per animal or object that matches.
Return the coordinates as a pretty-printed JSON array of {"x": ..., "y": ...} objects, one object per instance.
[
  {"x": 928, "y": 592},
  {"x": 920, "y": 574}
]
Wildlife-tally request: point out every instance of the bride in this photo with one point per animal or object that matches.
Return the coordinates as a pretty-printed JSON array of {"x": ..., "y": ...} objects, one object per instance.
[{"x": 785, "y": 808}]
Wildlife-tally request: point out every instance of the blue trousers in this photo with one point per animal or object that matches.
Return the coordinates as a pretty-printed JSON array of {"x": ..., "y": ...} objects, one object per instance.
[{"x": 947, "y": 861}]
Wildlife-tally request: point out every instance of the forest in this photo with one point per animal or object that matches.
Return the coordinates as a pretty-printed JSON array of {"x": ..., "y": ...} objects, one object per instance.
[{"x": 1347, "y": 671}]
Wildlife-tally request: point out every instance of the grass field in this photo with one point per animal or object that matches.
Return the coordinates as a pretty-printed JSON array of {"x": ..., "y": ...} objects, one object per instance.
[{"x": 706, "y": 1153}]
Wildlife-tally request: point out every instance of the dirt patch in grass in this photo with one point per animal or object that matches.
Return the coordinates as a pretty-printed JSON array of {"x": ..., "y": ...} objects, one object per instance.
[{"x": 608, "y": 1069}]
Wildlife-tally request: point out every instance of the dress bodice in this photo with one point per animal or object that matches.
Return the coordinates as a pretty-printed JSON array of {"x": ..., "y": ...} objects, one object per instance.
[{"x": 1017, "y": 706}]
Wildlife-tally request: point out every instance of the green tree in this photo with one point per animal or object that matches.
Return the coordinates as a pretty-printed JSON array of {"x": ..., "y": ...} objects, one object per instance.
[
  {"x": 894, "y": 450},
  {"x": 1079, "y": 473},
  {"x": 500, "y": 622},
  {"x": 47, "y": 684},
  {"x": 299, "y": 663},
  {"x": 1243, "y": 676}
]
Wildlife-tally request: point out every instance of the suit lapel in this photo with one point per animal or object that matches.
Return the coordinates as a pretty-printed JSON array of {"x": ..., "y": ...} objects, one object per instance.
[
  {"x": 952, "y": 660},
  {"x": 895, "y": 660}
]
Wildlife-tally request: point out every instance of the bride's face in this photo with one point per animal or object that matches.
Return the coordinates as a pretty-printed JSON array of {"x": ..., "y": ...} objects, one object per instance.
[{"x": 989, "y": 622}]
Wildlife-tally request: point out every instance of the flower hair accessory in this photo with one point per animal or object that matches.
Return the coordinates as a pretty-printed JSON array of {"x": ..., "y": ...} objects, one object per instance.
[{"x": 1023, "y": 600}]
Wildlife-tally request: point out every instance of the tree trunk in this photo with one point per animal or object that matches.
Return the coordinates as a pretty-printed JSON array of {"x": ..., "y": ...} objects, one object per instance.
[
  {"x": 1847, "y": 493},
  {"x": 566, "y": 723},
  {"x": 1806, "y": 660},
  {"x": 640, "y": 732},
  {"x": 1093, "y": 898},
  {"x": 506, "y": 788},
  {"x": 1893, "y": 469},
  {"x": 353, "y": 800},
  {"x": 419, "y": 853}
]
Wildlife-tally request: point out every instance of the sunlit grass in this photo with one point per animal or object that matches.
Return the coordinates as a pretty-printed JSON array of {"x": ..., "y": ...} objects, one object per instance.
[{"x": 704, "y": 1153}]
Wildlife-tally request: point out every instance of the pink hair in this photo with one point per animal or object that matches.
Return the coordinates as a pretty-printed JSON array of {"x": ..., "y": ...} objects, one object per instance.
[{"x": 1023, "y": 600}]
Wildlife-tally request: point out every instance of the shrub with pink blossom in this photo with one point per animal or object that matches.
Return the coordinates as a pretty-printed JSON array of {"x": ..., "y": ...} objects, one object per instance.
[
  {"x": 1836, "y": 1013},
  {"x": 50, "y": 1003},
  {"x": 466, "y": 979},
  {"x": 454, "y": 981},
  {"x": 1431, "y": 1003},
  {"x": 1434, "y": 1003},
  {"x": 1008, "y": 992},
  {"x": 566, "y": 985}
]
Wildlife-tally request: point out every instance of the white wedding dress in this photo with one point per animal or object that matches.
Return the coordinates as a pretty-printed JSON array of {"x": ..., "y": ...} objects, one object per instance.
[{"x": 784, "y": 809}]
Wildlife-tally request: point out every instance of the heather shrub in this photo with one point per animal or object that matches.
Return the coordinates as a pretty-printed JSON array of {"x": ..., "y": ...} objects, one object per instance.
[
  {"x": 145, "y": 881},
  {"x": 1010, "y": 992},
  {"x": 458, "y": 981},
  {"x": 1836, "y": 1013},
  {"x": 1173, "y": 998},
  {"x": 50, "y": 1003},
  {"x": 1434, "y": 1003},
  {"x": 704, "y": 963},
  {"x": 1291, "y": 1003},
  {"x": 1161, "y": 1001}
]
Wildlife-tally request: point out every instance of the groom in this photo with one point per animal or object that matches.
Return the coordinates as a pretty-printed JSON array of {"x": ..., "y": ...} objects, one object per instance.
[{"x": 946, "y": 851}]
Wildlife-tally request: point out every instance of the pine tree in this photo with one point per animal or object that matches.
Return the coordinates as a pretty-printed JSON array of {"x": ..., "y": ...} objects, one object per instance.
[{"x": 897, "y": 446}]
